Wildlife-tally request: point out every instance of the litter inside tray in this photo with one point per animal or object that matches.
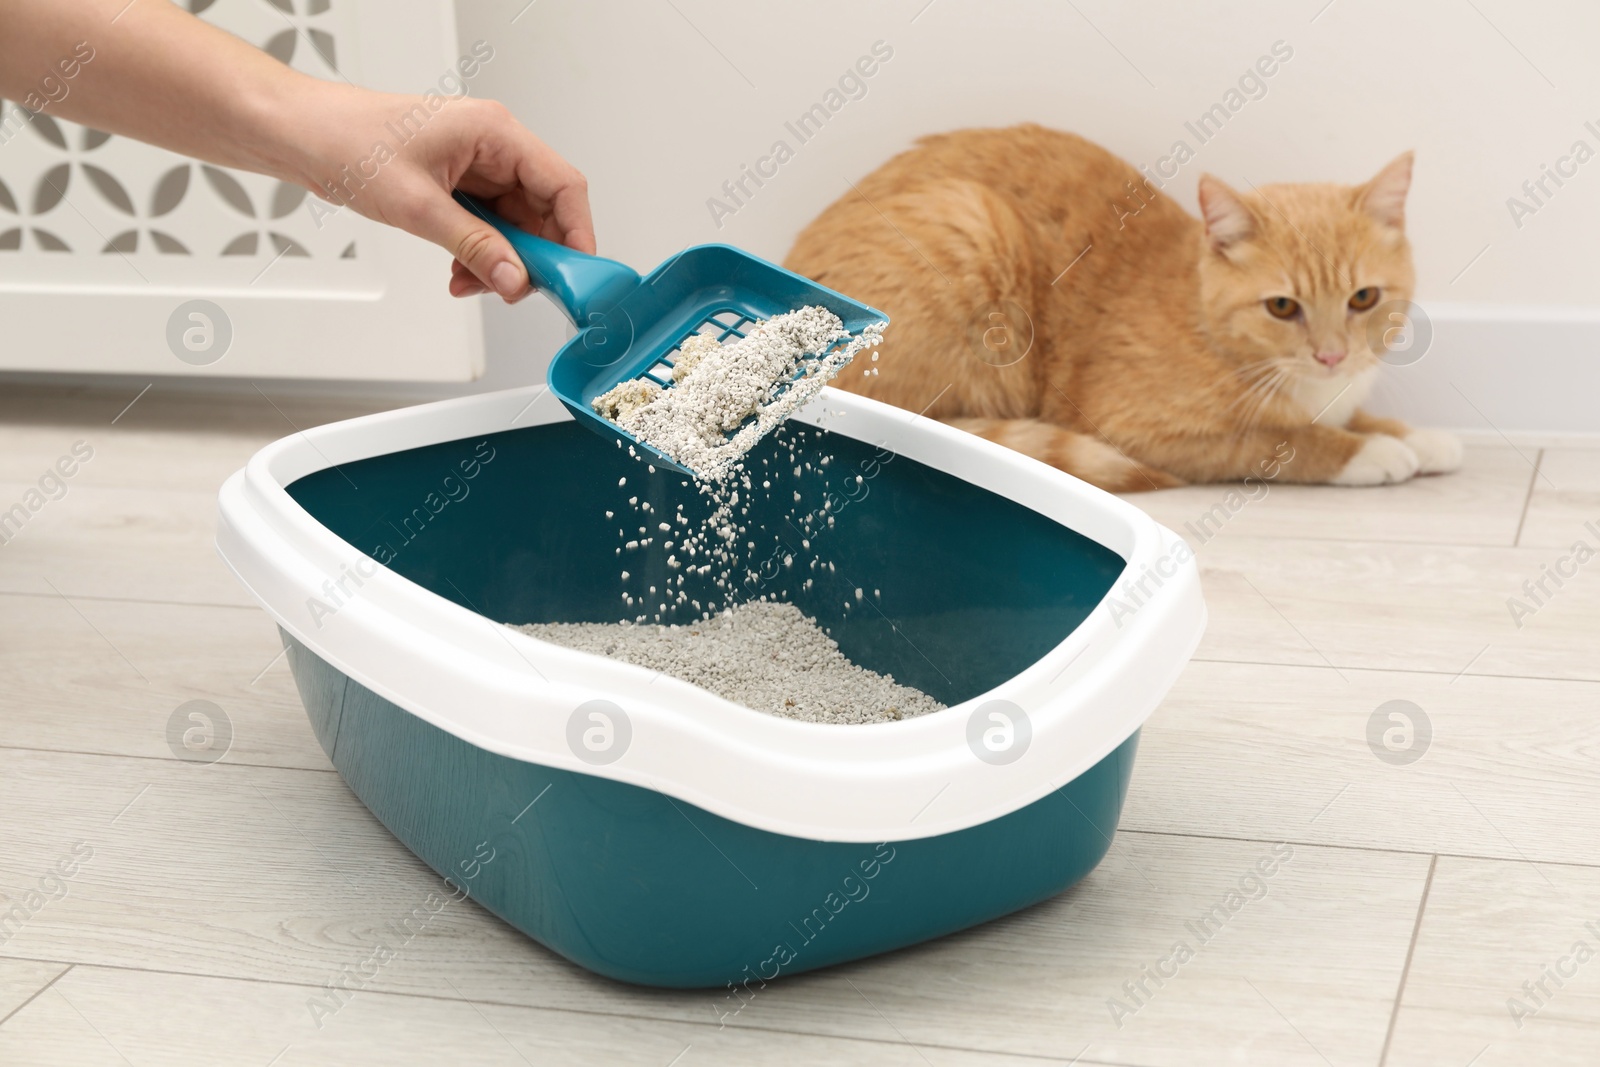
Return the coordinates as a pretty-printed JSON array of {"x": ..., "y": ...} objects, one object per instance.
[{"x": 969, "y": 587}]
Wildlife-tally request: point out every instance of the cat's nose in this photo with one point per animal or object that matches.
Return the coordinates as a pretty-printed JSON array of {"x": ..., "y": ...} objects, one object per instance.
[{"x": 1330, "y": 359}]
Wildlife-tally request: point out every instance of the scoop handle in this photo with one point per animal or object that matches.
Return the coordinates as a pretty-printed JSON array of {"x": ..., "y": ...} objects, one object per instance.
[{"x": 582, "y": 286}]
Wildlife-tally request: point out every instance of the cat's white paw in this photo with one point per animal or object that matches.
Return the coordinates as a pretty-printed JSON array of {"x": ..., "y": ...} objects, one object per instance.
[
  {"x": 1381, "y": 460},
  {"x": 1438, "y": 451}
]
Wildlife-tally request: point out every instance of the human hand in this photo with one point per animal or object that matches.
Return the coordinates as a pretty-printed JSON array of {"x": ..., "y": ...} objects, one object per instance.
[
  {"x": 163, "y": 76},
  {"x": 475, "y": 145}
]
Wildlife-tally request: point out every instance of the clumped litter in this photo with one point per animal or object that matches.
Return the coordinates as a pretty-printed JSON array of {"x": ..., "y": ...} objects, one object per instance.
[
  {"x": 764, "y": 655},
  {"x": 704, "y": 420}
]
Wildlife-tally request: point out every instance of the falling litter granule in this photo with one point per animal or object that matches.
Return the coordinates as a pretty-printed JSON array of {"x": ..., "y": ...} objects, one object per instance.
[
  {"x": 765, "y": 656},
  {"x": 704, "y": 421}
]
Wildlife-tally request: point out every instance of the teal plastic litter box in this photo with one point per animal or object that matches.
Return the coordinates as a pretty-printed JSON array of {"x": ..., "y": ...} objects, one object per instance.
[{"x": 648, "y": 829}]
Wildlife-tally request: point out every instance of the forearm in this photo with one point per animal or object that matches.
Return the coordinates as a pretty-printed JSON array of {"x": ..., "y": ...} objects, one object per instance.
[
  {"x": 151, "y": 71},
  {"x": 148, "y": 70}
]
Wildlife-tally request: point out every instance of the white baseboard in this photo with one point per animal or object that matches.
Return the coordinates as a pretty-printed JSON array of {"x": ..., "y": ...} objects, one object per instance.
[
  {"x": 1527, "y": 375},
  {"x": 1526, "y": 439},
  {"x": 1530, "y": 374}
]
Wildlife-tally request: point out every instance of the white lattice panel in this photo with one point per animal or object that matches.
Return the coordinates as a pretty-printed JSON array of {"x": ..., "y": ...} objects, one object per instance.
[{"x": 102, "y": 238}]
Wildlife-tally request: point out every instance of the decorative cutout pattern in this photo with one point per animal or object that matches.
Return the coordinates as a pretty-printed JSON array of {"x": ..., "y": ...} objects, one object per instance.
[
  {"x": 52, "y": 188},
  {"x": 70, "y": 189}
]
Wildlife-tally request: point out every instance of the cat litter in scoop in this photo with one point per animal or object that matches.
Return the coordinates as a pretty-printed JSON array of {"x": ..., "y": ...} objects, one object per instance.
[
  {"x": 725, "y": 389},
  {"x": 656, "y": 830},
  {"x": 627, "y": 374}
]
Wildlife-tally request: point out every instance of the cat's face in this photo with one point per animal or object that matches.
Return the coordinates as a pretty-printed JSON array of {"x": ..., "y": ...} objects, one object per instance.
[{"x": 1292, "y": 277}]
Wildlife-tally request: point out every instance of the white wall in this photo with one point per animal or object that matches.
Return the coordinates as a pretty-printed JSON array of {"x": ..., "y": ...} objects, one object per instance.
[
  {"x": 639, "y": 97},
  {"x": 661, "y": 101}
]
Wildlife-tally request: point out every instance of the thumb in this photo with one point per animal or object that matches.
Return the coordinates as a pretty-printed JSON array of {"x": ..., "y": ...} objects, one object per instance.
[{"x": 477, "y": 245}]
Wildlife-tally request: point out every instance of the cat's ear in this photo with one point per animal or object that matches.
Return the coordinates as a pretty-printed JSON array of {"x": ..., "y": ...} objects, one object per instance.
[
  {"x": 1228, "y": 219},
  {"x": 1384, "y": 197}
]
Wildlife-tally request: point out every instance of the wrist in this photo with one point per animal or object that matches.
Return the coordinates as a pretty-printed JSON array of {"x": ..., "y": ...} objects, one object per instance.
[{"x": 282, "y": 117}]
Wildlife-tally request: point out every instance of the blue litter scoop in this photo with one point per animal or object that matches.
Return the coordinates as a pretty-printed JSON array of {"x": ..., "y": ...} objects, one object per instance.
[{"x": 630, "y": 327}]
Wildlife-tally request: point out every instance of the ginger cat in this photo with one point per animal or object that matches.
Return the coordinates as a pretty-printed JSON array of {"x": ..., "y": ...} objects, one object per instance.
[{"x": 1164, "y": 349}]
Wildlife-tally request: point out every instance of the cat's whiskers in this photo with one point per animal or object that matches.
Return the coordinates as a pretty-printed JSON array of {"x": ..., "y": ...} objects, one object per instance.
[
  {"x": 1259, "y": 378},
  {"x": 1252, "y": 369},
  {"x": 1260, "y": 395},
  {"x": 1262, "y": 405},
  {"x": 1246, "y": 391}
]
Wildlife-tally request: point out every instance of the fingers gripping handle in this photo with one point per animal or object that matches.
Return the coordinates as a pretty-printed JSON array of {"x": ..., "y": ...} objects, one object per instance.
[{"x": 580, "y": 285}]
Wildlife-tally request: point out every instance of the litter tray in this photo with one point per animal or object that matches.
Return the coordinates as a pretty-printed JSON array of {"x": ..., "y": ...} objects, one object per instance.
[{"x": 648, "y": 829}]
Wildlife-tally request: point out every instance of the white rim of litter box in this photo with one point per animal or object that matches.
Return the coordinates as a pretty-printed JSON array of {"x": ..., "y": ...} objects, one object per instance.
[{"x": 512, "y": 694}]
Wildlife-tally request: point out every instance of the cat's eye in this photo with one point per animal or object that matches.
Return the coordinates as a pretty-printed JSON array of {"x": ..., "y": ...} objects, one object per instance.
[
  {"x": 1364, "y": 298},
  {"x": 1282, "y": 307}
]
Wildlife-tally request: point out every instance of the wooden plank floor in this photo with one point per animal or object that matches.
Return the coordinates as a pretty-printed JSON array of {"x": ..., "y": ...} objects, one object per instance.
[{"x": 1442, "y": 911}]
